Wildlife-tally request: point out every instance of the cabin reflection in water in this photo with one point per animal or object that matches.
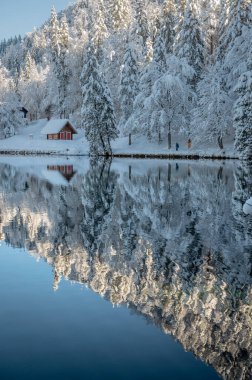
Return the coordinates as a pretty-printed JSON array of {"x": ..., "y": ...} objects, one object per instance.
[{"x": 66, "y": 171}]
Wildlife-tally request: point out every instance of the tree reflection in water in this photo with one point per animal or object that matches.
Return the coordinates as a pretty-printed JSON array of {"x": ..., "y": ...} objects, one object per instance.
[{"x": 172, "y": 242}]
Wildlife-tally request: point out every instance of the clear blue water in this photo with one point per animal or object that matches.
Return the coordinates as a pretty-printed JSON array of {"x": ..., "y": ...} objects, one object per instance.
[
  {"x": 131, "y": 271},
  {"x": 75, "y": 334}
]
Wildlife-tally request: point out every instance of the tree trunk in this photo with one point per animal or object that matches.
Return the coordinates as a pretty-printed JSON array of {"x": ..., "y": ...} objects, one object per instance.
[
  {"x": 220, "y": 142},
  {"x": 169, "y": 173},
  {"x": 129, "y": 138},
  {"x": 169, "y": 138},
  {"x": 130, "y": 173}
]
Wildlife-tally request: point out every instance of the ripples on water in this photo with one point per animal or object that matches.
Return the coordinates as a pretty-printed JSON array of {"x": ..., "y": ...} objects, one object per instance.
[{"x": 168, "y": 240}]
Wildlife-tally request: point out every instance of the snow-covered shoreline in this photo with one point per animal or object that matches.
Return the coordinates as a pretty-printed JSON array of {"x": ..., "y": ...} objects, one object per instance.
[
  {"x": 193, "y": 156},
  {"x": 30, "y": 141}
]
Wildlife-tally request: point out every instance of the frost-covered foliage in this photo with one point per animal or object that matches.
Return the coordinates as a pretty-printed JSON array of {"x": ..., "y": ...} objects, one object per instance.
[
  {"x": 243, "y": 112},
  {"x": 97, "y": 111},
  {"x": 209, "y": 41},
  {"x": 213, "y": 115},
  {"x": 128, "y": 83},
  {"x": 10, "y": 118}
]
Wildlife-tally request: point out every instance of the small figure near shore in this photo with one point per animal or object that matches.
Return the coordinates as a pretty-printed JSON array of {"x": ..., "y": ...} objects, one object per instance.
[
  {"x": 177, "y": 146},
  {"x": 189, "y": 143}
]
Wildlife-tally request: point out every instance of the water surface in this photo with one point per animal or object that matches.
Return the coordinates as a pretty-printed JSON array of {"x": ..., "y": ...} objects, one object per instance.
[{"x": 125, "y": 270}]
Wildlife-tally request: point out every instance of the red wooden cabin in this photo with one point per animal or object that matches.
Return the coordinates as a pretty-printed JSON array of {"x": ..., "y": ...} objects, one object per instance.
[{"x": 59, "y": 129}]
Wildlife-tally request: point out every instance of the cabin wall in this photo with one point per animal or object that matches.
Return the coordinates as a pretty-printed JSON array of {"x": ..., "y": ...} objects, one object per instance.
[{"x": 53, "y": 136}]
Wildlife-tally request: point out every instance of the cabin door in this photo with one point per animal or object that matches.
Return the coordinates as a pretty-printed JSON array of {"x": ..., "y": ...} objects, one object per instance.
[
  {"x": 68, "y": 136},
  {"x": 62, "y": 135}
]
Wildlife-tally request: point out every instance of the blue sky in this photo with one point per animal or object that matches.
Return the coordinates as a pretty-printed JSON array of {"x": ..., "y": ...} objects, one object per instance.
[{"x": 20, "y": 16}]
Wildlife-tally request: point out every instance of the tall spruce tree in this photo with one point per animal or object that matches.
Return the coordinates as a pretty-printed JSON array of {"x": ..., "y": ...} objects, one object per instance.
[
  {"x": 129, "y": 82},
  {"x": 243, "y": 112},
  {"x": 120, "y": 14},
  {"x": 97, "y": 110},
  {"x": 190, "y": 43}
]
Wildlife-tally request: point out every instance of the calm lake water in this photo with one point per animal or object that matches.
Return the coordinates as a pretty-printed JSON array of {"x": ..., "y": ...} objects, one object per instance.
[{"x": 129, "y": 270}]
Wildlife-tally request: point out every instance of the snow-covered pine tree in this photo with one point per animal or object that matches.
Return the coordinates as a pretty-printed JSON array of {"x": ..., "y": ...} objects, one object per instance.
[
  {"x": 243, "y": 112},
  {"x": 212, "y": 117},
  {"x": 99, "y": 30},
  {"x": 168, "y": 25},
  {"x": 54, "y": 35},
  {"x": 120, "y": 14},
  {"x": 141, "y": 25},
  {"x": 29, "y": 68},
  {"x": 62, "y": 66},
  {"x": 208, "y": 11},
  {"x": 159, "y": 52},
  {"x": 10, "y": 116},
  {"x": 59, "y": 44},
  {"x": 129, "y": 83},
  {"x": 190, "y": 44},
  {"x": 97, "y": 109}
]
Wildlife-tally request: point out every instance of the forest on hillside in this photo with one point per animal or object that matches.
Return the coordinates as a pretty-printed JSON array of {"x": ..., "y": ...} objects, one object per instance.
[{"x": 142, "y": 67}]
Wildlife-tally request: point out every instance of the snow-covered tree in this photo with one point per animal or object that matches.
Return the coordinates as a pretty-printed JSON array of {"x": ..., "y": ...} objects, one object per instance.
[
  {"x": 167, "y": 107},
  {"x": 29, "y": 68},
  {"x": 59, "y": 44},
  {"x": 168, "y": 26},
  {"x": 10, "y": 117},
  {"x": 97, "y": 109},
  {"x": 243, "y": 112},
  {"x": 99, "y": 29},
  {"x": 129, "y": 83},
  {"x": 120, "y": 14},
  {"x": 190, "y": 44},
  {"x": 62, "y": 66},
  {"x": 212, "y": 117}
]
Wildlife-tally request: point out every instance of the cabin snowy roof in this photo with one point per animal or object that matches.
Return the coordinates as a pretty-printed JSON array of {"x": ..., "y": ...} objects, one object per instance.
[{"x": 55, "y": 126}]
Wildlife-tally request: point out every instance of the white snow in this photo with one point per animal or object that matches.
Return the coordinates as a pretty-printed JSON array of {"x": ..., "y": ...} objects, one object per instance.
[
  {"x": 31, "y": 140},
  {"x": 247, "y": 207}
]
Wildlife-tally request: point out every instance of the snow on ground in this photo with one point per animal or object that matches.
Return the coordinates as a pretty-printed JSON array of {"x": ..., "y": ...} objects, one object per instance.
[
  {"x": 31, "y": 140},
  {"x": 141, "y": 146}
]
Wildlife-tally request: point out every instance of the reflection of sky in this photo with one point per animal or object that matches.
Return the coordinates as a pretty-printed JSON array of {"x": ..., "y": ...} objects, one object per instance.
[
  {"x": 21, "y": 16},
  {"x": 75, "y": 334}
]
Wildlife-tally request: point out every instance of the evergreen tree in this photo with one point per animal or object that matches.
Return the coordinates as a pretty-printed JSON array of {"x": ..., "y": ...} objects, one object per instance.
[
  {"x": 54, "y": 35},
  {"x": 97, "y": 110},
  {"x": 243, "y": 112},
  {"x": 190, "y": 42},
  {"x": 99, "y": 30},
  {"x": 62, "y": 66},
  {"x": 212, "y": 118},
  {"x": 10, "y": 116},
  {"x": 142, "y": 20},
  {"x": 159, "y": 55},
  {"x": 120, "y": 14},
  {"x": 129, "y": 82},
  {"x": 168, "y": 26}
]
